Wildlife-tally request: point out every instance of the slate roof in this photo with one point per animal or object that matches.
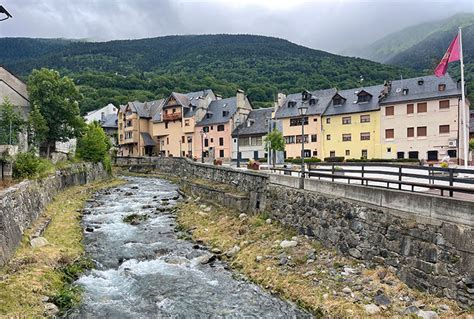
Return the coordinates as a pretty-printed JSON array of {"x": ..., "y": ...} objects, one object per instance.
[
  {"x": 147, "y": 139},
  {"x": 322, "y": 99},
  {"x": 189, "y": 101},
  {"x": 429, "y": 89},
  {"x": 259, "y": 126},
  {"x": 216, "y": 109},
  {"x": 146, "y": 109},
  {"x": 349, "y": 106},
  {"x": 109, "y": 121}
]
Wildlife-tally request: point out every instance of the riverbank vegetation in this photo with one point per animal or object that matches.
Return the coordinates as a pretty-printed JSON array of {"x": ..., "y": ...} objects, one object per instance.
[
  {"x": 36, "y": 280},
  {"x": 302, "y": 270}
]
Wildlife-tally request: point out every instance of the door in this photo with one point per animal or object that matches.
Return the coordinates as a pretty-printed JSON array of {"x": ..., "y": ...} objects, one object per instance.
[{"x": 255, "y": 155}]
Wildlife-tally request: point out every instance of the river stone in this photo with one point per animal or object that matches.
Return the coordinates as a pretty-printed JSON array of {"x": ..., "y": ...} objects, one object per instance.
[
  {"x": 354, "y": 252},
  {"x": 50, "y": 309},
  {"x": 371, "y": 309},
  {"x": 427, "y": 314},
  {"x": 206, "y": 258},
  {"x": 258, "y": 258},
  {"x": 288, "y": 243},
  {"x": 410, "y": 310},
  {"x": 268, "y": 221},
  {"x": 233, "y": 251},
  {"x": 38, "y": 242},
  {"x": 242, "y": 216},
  {"x": 347, "y": 290},
  {"x": 444, "y": 307},
  {"x": 382, "y": 299}
]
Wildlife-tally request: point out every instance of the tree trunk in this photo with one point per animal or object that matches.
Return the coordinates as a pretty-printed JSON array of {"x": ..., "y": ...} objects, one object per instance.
[
  {"x": 274, "y": 157},
  {"x": 48, "y": 149}
]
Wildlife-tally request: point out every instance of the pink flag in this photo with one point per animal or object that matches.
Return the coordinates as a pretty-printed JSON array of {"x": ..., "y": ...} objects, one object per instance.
[{"x": 452, "y": 54}]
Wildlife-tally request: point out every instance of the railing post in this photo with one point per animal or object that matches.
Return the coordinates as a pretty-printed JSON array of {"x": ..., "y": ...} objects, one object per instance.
[
  {"x": 400, "y": 177},
  {"x": 332, "y": 172},
  {"x": 363, "y": 170},
  {"x": 451, "y": 181}
]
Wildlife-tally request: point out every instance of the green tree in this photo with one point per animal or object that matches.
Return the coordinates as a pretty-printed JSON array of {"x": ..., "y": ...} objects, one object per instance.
[
  {"x": 94, "y": 145},
  {"x": 274, "y": 141},
  {"x": 37, "y": 127},
  {"x": 11, "y": 123},
  {"x": 58, "y": 101},
  {"x": 471, "y": 144}
]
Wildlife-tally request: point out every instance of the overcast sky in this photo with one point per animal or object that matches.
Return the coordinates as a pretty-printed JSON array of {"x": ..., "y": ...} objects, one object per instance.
[{"x": 330, "y": 25}]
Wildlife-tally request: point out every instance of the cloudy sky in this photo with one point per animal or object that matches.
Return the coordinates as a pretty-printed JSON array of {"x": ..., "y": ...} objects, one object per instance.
[{"x": 331, "y": 25}]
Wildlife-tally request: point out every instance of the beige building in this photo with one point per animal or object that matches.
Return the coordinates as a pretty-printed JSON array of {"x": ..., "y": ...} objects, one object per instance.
[
  {"x": 135, "y": 128},
  {"x": 287, "y": 112},
  {"x": 173, "y": 127},
  {"x": 421, "y": 119}
]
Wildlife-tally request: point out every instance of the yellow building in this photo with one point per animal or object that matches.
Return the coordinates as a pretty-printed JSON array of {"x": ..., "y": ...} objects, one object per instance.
[
  {"x": 287, "y": 112},
  {"x": 173, "y": 127},
  {"x": 351, "y": 124},
  {"x": 134, "y": 128}
]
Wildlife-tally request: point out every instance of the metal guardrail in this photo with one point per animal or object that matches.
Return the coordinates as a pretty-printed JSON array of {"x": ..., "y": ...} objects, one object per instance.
[{"x": 398, "y": 176}]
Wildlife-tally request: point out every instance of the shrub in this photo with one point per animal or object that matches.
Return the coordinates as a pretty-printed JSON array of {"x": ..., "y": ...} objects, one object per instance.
[
  {"x": 444, "y": 165},
  {"x": 383, "y": 160},
  {"x": 306, "y": 160},
  {"x": 26, "y": 165},
  {"x": 334, "y": 159}
]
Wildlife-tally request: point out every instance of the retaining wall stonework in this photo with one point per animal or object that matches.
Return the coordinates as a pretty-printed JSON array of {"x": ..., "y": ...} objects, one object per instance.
[
  {"x": 21, "y": 204},
  {"x": 427, "y": 240}
]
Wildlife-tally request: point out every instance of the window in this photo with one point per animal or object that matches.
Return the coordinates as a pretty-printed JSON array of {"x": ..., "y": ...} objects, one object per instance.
[
  {"x": 413, "y": 155},
  {"x": 332, "y": 154},
  {"x": 190, "y": 139},
  {"x": 421, "y": 131},
  {"x": 410, "y": 108},
  {"x": 328, "y": 137},
  {"x": 206, "y": 142},
  {"x": 256, "y": 141},
  {"x": 298, "y": 139},
  {"x": 421, "y": 107},
  {"x": 362, "y": 98},
  {"x": 182, "y": 139},
  {"x": 244, "y": 141},
  {"x": 128, "y": 135},
  {"x": 389, "y": 133},
  {"x": 167, "y": 141},
  {"x": 314, "y": 138},
  {"x": 221, "y": 153},
  {"x": 441, "y": 87},
  {"x": 290, "y": 139},
  {"x": 328, "y": 120},
  {"x": 400, "y": 155},
  {"x": 365, "y": 136},
  {"x": 166, "y": 124},
  {"x": 410, "y": 132},
  {"x": 297, "y": 121},
  {"x": 221, "y": 141},
  {"x": 220, "y": 128},
  {"x": 348, "y": 152},
  {"x": 365, "y": 118},
  {"x": 225, "y": 113},
  {"x": 364, "y": 154},
  {"x": 291, "y": 103},
  {"x": 389, "y": 150},
  {"x": 315, "y": 119},
  {"x": 129, "y": 123},
  {"x": 174, "y": 110},
  {"x": 389, "y": 110},
  {"x": 346, "y": 137},
  {"x": 205, "y": 129},
  {"x": 315, "y": 153},
  {"x": 186, "y": 122},
  {"x": 212, "y": 128},
  {"x": 337, "y": 100},
  {"x": 432, "y": 155},
  {"x": 212, "y": 140},
  {"x": 346, "y": 120},
  {"x": 452, "y": 153},
  {"x": 121, "y": 137},
  {"x": 444, "y": 104},
  {"x": 443, "y": 129}
]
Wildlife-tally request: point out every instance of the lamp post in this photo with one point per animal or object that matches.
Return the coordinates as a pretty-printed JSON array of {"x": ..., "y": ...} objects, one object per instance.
[
  {"x": 237, "y": 123},
  {"x": 202, "y": 145},
  {"x": 180, "y": 148},
  {"x": 6, "y": 13},
  {"x": 302, "y": 110}
]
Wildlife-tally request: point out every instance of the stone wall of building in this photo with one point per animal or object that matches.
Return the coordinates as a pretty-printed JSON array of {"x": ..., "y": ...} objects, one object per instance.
[{"x": 21, "y": 204}]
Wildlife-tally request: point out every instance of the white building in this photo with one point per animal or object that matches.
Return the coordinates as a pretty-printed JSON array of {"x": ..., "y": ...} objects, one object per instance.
[{"x": 100, "y": 114}]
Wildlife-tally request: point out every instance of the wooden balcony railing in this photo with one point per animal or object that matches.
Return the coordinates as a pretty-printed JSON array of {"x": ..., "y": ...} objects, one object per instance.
[{"x": 172, "y": 116}]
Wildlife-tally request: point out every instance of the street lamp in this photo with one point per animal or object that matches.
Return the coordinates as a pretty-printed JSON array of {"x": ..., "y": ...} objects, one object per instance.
[
  {"x": 5, "y": 12},
  {"x": 180, "y": 148},
  {"x": 302, "y": 110},
  {"x": 202, "y": 145},
  {"x": 237, "y": 123}
]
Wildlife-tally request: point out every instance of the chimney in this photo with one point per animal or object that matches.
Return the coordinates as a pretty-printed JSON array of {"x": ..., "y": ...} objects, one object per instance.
[
  {"x": 218, "y": 97},
  {"x": 279, "y": 101},
  {"x": 240, "y": 96}
]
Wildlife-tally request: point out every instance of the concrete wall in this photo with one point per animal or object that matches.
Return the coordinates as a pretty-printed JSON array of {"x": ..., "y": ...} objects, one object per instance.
[{"x": 20, "y": 205}]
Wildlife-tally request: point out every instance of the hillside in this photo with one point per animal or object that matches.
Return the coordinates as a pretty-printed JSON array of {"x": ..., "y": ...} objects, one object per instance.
[{"x": 118, "y": 71}]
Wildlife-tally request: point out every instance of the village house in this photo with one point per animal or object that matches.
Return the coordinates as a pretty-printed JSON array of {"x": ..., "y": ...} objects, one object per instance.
[
  {"x": 213, "y": 134},
  {"x": 174, "y": 125},
  {"x": 287, "y": 112},
  {"x": 135, "y": 128},
  {"x": 100, "y": 114},
  {"x": 421, "y": 119},
  {"x": 251, "y": 134},
  {"x": 351, "y": 124},
  {"x": 15, "y": 90},
  {"x": 107, "y": 117}
]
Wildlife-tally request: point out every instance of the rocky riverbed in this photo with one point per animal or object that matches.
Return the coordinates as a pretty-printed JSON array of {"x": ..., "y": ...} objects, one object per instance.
[{"x": 143, "y": 268}]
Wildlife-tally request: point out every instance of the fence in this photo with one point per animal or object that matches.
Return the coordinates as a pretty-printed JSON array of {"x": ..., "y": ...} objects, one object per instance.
[{"x": 402, "y": 177}]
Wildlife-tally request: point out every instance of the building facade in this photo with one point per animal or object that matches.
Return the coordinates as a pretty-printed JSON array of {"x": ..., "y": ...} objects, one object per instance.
[
  {"x": 174, "y": 126},
  {"x": 135, "y": 128},
  {"x": 287, "y": 112},
  {"x": 421, "y": 119},
  {"x": 213, "y": 134},
  {"x": 351, "y": 124},
  {"x": 100, "y": 114}
]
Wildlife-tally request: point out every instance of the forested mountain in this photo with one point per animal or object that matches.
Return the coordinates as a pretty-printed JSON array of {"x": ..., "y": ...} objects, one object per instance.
[
  {"x": 422, "y": 46},
  {"x": 119, "y": 71}
]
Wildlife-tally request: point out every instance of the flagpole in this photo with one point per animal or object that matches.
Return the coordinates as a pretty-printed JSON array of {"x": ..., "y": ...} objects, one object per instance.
[{"x": 463, "y": 103}]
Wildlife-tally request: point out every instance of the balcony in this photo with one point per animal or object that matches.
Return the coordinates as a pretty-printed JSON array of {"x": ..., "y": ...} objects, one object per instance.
[{"x": 172, "y": 116}]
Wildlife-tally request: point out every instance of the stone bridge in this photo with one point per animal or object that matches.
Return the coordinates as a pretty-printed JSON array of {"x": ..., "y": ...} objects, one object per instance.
[{"x": 427, "y": 240}]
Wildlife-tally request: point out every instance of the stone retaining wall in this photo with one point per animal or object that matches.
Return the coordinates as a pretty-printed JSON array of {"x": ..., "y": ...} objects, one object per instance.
[{"x": 21, "y": 204}]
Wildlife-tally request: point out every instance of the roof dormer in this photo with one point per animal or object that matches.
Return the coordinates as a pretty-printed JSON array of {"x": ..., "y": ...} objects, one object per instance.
[
  {"x": 313, "y": 101},
  {"x": 306, "y": 95},
  {"x": 291, "y": 103},
  {"x": 363, "y": 96},
  {"x": 337, "y": 99}
]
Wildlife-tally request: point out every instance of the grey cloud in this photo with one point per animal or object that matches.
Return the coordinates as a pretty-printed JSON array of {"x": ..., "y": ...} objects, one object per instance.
[{"x": 326, "y": 25}]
